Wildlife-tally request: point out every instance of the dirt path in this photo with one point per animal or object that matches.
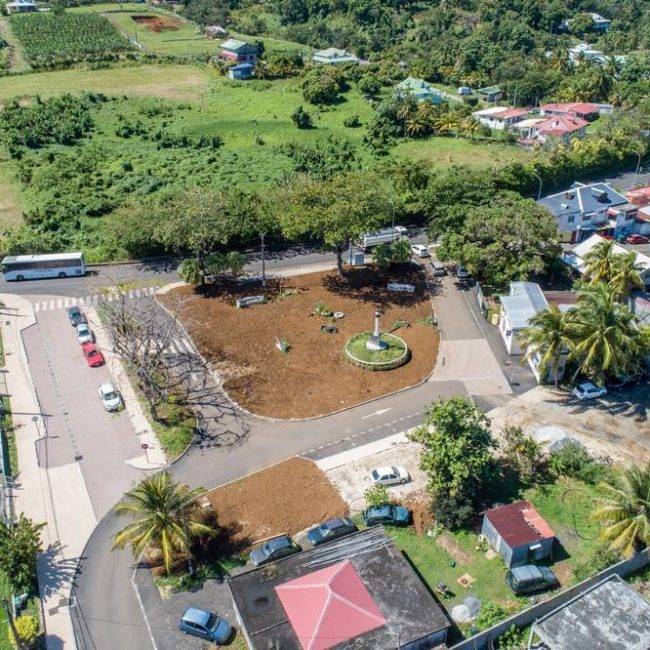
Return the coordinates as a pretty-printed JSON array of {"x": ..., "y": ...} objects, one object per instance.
[
  {"x": 10, "y": 210},
  {"x": 17, "y": 59}
]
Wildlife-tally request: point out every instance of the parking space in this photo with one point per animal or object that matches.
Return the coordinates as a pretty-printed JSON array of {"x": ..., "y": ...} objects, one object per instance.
[{"x": 77, "y": 427}]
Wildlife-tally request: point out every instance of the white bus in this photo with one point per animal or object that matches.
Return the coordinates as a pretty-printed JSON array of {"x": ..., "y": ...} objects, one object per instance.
[
  {"x": 33, "y": 267},
  {"x": 384, "y": 236}
]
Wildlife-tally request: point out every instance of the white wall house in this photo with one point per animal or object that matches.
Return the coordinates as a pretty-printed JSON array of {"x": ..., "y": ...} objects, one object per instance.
[
  {"x": 525, "y": 300},
  {"x": 499, "y": 117},
  {"x": 334, "y": 56}
]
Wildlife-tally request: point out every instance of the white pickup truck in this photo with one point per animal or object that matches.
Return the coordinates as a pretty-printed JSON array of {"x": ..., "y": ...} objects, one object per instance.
[{"x": 384, "y": 236}]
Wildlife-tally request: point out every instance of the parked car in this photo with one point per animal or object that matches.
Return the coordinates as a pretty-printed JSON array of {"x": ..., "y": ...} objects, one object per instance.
[
  {"x": 206, "y": 625},
  {"x": 93, "y": 356},
  {"x": 76, "y": 316},
  {"x": 390, "y": 475},
  {"x": 273, "y": 549},
  {"x": 636, "y": 239},
  {"x": 387, "y": 514},
  {"x": 84, "y": 333},
  {"x": 529, "y": 578},
  {"x": 587, "y": 390},
  {"x": 438, "y": 268},
  {"x": 110, "y": 397},
  {"x": 462, "y": 272},
  {"x": 420, "y": 250},
  {"x": 330, "y": 530},
  {"x": 621, "y": 383}
]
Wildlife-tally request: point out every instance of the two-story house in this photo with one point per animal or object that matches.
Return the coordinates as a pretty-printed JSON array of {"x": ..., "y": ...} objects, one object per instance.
[
  {"x": 582, "y": 210},
  {"x": 238, "y": 51}
]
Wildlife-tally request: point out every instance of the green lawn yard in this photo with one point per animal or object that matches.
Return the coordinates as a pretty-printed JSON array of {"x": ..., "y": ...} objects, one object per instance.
[
  {"x": 565, "y": 506},
  {"x": 171, "y": 81},
  {"x": 181, "y": 37}
]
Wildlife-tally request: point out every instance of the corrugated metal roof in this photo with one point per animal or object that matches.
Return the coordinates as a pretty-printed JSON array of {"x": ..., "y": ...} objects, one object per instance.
[{"x": 519, "y": 523}]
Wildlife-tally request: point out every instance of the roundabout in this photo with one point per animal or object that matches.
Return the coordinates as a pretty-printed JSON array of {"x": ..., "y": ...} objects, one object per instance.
[{"x": 392, "y": 353}]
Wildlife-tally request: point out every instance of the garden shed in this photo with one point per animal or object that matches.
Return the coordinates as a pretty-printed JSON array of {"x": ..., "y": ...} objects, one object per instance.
[{"x": 518, "y": 534}]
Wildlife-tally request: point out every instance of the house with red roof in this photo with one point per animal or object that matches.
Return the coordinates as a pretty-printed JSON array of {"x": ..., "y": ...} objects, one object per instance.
[
  {"x": 499, "y": 117},
  {"x": 584, "y": 110},
  {"x": 358, "y": 592},
  {"x": 559, "y": 128},
  {"x": 518, "y": 533}
]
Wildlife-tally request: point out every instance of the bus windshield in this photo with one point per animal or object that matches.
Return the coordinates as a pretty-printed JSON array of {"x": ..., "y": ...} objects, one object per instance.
[{"x": 31, "y": 267}]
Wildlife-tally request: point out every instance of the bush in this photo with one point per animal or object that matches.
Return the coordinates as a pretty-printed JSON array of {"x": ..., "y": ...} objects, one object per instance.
[
  {"x": 522, "y": 452},
  {"x": 452, "y": 511},
  {"x": 490, "y": 614},
  {"x": 377, "y": 495},
  {"x": 597, "y": 562},
  {"x": 302, "y": 119},
  {"x": 28, "y": 630},
  {"x": 352, "y": 122},
  {"x": 574, "y": 461}
]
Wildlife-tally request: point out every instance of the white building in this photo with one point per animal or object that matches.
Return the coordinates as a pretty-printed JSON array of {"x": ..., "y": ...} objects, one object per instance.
[
  {"x": 20, "y": 6},
  {"x": 500, "y": 117},
  {"x": 525, "y": 300},
  {"x": 601, "y": 23},
  {"x": 334, "y": 56},
  {"x": 585, "y": 52}
]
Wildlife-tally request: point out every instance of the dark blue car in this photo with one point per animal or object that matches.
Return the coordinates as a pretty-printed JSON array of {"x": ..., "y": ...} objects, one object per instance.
[
  {"x": 76, "y": 316},
  {"x": 273, "y": 549},
  {"x": 204, "y": 624},
  {"x": 331, "y": 529},
  {"x": 387, "y": 514}
]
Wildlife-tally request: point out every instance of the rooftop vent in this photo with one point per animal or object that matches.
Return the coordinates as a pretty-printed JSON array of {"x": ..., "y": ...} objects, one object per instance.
[{"x": 599, "y": 195}]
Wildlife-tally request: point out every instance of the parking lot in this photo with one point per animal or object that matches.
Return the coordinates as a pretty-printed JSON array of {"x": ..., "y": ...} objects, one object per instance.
[{"x": 78, "y": 429}]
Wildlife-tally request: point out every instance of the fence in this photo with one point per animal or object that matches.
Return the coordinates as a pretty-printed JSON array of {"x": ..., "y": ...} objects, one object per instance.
[
  {"x": 486, "y": 638},
  {"x": 6, "y": 506}
]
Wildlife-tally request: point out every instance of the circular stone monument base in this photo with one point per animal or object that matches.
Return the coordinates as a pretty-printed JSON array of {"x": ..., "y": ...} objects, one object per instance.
[{"x": 393, "y": 354}]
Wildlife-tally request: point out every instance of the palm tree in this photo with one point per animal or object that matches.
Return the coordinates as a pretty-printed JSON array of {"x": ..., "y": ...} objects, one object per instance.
[
  {"x": 626, "y": 275},
  {"x": 624, "y": 510},
  {"x": 191, "y": 272},
  {"x": 600, "y": 262},
  {"x": 447, "y": 124},
  {"x": 606, "y": 337},
  {"x": 549, "y": 337},
  {"x": 163, "y": 517}
]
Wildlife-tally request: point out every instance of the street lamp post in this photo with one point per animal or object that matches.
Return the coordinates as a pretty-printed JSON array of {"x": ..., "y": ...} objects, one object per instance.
[
  {"x": 638, "y": 167},
  {"x": 262, "y": 235}
]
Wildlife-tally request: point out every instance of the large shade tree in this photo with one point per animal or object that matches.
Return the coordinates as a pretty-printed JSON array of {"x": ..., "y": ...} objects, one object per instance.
[
  {"x": 163, "y": 518},
  {"x": 623, "y": 510},
  {"x": 337, "y": 211}
]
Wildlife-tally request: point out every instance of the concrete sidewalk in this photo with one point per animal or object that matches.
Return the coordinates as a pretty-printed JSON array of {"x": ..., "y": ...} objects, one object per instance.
[{"x": 57, "y": 496}]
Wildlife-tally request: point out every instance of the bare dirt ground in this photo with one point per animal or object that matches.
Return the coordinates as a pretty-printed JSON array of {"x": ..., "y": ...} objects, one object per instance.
[
  {"x": 313, "y": 378},
  {"x": 615, "y": 426},
  {"x": 353, "y": 478},
  {"x": 158, "y": 24},
  {"x": 265, "y": 504}
]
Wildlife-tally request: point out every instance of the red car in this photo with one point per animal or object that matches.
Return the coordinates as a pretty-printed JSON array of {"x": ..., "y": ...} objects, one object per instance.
[
  {"x": 93, "y": 356},
  {"x": 636, "y": 239}
]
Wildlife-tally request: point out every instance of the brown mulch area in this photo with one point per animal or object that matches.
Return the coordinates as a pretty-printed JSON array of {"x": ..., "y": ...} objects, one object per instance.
[
  {"x": 419, "y": 503},
  {"x": 449, "y": 544},
  {"x": 285, "y": 498},
  {"x": 158, "y": 24},
  {"x": 314, "y": 378}
]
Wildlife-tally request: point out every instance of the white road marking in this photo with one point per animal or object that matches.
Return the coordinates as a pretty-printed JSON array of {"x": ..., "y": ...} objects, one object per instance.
[
  {"x": 59, "y": 303},
  {"x": 379, "y": 412}
]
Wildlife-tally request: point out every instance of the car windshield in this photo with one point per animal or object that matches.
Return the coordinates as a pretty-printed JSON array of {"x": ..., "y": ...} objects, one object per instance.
[
  {"x": 394, "y": 470},
  {"x": 375, "y": 474},
  {"x": 110, "y": 394},
  {"x": 213, "y": 621}
]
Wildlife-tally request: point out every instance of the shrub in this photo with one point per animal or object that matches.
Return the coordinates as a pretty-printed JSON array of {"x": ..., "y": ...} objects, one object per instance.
[
  {"x": 369, "y": 85},
  {"x": 574, "y": 461},
  {"x": 377, "y": 495},
  {"x": 301, "y": 118},
  {"x": 600, "y": 559},
  {"x": 522, "y": 452},
  {"x": 352, "y": 122},
  {"x": 27, "y": 628},
  {"x": 452, "y": 511},
  {"x": 490, "y": 614}
]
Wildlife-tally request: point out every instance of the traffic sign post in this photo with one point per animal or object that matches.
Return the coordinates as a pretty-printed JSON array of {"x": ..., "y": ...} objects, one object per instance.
[{"x": 145, "y": 446}]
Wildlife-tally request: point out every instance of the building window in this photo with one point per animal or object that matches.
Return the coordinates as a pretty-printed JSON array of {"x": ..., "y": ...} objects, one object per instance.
[{"x": 571, "y": 218}]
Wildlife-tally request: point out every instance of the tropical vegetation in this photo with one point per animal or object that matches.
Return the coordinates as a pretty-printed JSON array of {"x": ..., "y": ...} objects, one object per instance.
[
  {"x": 164, "y": 519},
  {"x": 623, "y": 510},
  {"x": 20, "y": 543}
]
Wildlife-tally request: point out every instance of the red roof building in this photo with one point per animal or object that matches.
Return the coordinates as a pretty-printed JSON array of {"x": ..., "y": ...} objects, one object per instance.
[
  {"x": 518, "y": 533},
  {"x": 329, "y": 606},
  {"x": 640, "y": 196},
  {"x": 581, "y": 109}
]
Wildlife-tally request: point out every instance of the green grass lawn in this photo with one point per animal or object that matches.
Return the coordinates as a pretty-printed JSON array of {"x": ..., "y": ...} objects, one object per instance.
[
  {"x": 185, "y": 40},
  {"x": 393, "y": 350},
  {"x": 180, "y": 82},
  {"x": 565, "y": 505},
  {"x": 10, "y": 210},
  {"x": 31, "y": 609}
]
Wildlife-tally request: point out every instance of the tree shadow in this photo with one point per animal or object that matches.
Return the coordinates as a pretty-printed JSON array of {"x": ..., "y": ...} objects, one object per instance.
[{"x": 57, "y": 571}]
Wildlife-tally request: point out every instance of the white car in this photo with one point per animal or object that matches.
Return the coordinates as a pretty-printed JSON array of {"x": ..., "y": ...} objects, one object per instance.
[
  {"x": 110, "y": 397},
  {"x": 84, "y": 333},
  {"x": 390, "y": 475},
  {"x": 420, "y": 250},
  {"x": 588, "y": 391}
]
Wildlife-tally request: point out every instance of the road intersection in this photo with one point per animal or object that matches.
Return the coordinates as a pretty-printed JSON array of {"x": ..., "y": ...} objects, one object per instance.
[{"x": 105, "y": 611}]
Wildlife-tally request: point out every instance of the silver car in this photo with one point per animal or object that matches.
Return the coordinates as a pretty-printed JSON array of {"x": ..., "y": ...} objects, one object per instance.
[
  {"x": 110, "y": 397},
  {"x": 84, "y": 334}
]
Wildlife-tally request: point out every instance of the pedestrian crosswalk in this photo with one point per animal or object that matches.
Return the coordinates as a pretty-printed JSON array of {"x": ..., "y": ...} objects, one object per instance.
[{"x": 90, "y": 300}]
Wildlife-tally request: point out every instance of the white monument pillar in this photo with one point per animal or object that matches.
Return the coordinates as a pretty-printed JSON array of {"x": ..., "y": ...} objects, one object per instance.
[{"x": 374, "y": 342}]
